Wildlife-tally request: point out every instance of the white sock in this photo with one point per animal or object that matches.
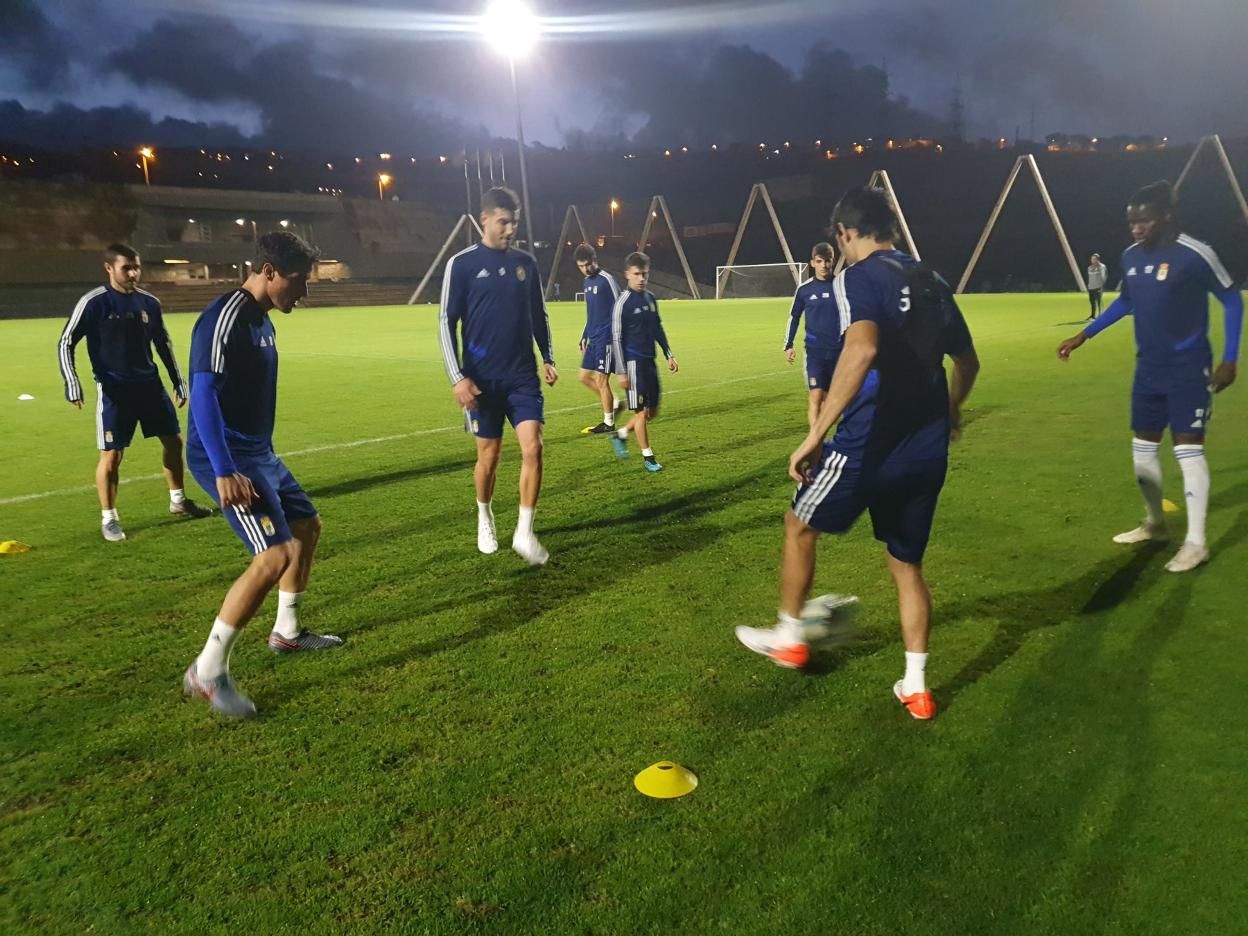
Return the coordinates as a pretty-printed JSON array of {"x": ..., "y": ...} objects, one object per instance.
[
  {"x": 609, "y": 418},
  {"x": 914, "y": 680},
  {"x": 1195, "y": 489},
  {"x": 789, "y": 629},
  {"x": 647, "y": 452},
  {"x": 484, "y": 510},
  {"x": 106, "y": 515},
  {"x": 615, "y": 401},
  {"x": 287, "y": 623},
  {"x": 214, "y": 659},
  {"x": 622, "y": 432},
  {"x": 1148, "y": 476},
  {"x": 176, "y": 496},
  {"x": 524, "y": 526}
]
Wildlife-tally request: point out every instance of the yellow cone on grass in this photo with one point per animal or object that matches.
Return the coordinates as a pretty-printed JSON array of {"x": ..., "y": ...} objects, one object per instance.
[
  {"x": 665, "y": 780},
  {"x": 1169, "y": 506},
  {"x": 12, "y": 547}
]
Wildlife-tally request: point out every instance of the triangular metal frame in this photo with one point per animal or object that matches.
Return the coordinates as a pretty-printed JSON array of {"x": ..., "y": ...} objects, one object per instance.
[
  {"x": 759, "y": 188},
  {"x": 572, "y": 212},
  {"x": 879, "y": 179},
  {"x": 658, "y": 201},
  {"x": 1029, "y": 161},
  {"x": 1216, "y": 141},
  {"x": 442, "y": 253}
]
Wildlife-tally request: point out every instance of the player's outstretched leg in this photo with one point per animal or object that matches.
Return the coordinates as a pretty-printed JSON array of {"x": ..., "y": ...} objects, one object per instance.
[
  {"x": 785, "y": 644},
  {"x": 914, "y": 605},
  {"x": 288, "y": 634},
  {"x": 1147, "y": 465},
  {"x": 488, "y": 453},
  {"x": 643, "y": 439},
  {"x": 525, "y": 542},
  {"x": 171, "y": 458},
  {"x": 1194, "y": 550},
  {"x": 209, "y": 676}
]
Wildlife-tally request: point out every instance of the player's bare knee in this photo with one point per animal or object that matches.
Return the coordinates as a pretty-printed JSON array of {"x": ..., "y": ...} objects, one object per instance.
[
  {"x": 271, "y": 564},
  {"x": 531, "y": 449},
  {"x": 308, "y": 530},
  {"x": 589, "y": 378},
  {"x": 795, "y": 527},
  {"x": 172, "y": 443},
  {"x": 111, "y": 458}
]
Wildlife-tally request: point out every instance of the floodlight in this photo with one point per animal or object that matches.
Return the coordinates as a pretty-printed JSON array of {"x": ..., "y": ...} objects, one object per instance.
[{"x": 510, "y": 27}]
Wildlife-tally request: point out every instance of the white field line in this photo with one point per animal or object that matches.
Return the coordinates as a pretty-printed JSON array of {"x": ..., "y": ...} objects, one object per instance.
[{"x": 335, "y": 446}]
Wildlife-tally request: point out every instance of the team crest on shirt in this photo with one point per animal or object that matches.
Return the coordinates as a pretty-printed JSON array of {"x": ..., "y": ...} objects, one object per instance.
[
  {"x": 520, "y": 274},
  {"x": 143, "y": 316},
  {"x": 267, "y": 525},
  {"x": 1163, "y": 271}
]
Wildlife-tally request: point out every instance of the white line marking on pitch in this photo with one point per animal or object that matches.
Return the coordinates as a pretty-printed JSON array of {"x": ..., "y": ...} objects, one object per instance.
[{"x": 83, "y": 488}]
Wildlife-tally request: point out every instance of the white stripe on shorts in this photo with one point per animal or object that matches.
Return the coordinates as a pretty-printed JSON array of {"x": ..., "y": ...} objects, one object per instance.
[{"x": 819, "y": 488}]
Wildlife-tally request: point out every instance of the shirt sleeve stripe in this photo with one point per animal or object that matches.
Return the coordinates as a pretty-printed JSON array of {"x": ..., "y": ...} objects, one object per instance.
[
  {"x": 1207, "y": 254},
  {"x": 65, "y": 346},
  {"x": 221, "y": 334},
  {"x": 617, "y": 331},
  {"x": 842, "y": 300},
  {"x": 445, "y": 338}
]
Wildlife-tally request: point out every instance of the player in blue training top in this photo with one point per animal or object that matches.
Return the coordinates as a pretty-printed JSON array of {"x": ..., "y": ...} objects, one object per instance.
[
  {"x": 601, "y": 291},
  {"x": 823, "y": 326},
  {"x": 230, "y": 451},
  {"x": 121, "y": 323},
  {"x": 896, "y": 411},
  {"x": 492, "y": 294},
  {"x": 635, "y": 329},
  {"x": 1166, "y": 280}
]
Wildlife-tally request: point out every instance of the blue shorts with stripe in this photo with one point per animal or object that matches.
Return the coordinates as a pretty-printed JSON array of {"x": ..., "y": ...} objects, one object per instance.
[
  {"x": 900, "y": 496},
  {"x": 516, "y": 400},
  {"x": 279, "y": 498},
  {"x": 644, "y": 390},
  {"x": 1178, "y": 397},
  {"x": 597, "y": 356},
  {"x": 819, "y": 368},
  {"x": 123, "y": 406}
]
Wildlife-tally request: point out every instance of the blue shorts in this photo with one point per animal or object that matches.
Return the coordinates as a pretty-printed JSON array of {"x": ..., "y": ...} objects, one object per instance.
[
  {"x": 517, "y": 400},
  {"x": 280, "y": 499},
  {"x": 643, "y": 384},
  {"x": 597, "y": 356},
  {"x": 1178, "y": 397},
  {"x": 121, "y": 406},
  {"x": 819, "y": 368},
  {"x": 900, "y": 496}
]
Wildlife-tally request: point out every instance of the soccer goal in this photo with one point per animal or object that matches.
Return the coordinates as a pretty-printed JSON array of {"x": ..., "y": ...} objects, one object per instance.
[{"x": 758, "y": 280}]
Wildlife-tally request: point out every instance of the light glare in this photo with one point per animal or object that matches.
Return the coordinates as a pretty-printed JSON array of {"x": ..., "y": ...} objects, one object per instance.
[{"x": 510, "y": 27}]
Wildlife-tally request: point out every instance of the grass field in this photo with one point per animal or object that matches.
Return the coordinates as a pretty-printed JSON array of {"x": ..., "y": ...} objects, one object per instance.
[{"x": 465, "y": 762}]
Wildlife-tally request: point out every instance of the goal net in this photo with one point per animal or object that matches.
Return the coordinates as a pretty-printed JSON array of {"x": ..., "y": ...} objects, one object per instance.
[{"x": 758, "y": 280}]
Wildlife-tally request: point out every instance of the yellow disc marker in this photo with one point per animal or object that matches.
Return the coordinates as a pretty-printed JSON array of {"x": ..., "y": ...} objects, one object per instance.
[
  {"x": 1169, "y": 506},
  {"x": 12, "y": 547},
  {"x": 665, "y": 780}
]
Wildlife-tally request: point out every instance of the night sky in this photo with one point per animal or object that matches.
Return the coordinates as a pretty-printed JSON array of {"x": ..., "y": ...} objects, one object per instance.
[{"x": 414, "y": 76}]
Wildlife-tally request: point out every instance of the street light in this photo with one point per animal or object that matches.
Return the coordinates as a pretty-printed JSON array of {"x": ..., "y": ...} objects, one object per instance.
[
  {"x": 146, "y": 153},
  {"x": 615, "y": 206},
  {"x": 382, "y": 181},
  {"x": 512, "y": 29},
  {"x": 255, "y": 236}
]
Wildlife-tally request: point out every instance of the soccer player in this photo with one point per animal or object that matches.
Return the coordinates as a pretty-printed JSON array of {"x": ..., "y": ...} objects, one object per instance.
[
  {"x": 823, "y": 327},
  {"x": 601, "y": 291},
  {"x": 230, "y": 451},
  {"x": 1097, "y": 274},
  {"x": 1166, "y": 279},
  {"x": 889, "y": 454},
  {"x": 492, "y": 293},
  {"x": 635, "y": 329},
  {"x": 121, "y": 322}
]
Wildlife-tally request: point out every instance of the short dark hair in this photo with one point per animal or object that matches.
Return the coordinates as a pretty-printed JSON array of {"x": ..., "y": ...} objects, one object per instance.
[
  {"x": 1159, "y": 195},
  {"x": 584, "y": 252},
  {"x": 867, "y": 211},
  {"x": 637, "y": 259},
  {"x": 285, "y": 252},
  {"x": 823, "y": 250},
  {"x": 500, "y": 198},
  {"x": 113, "y": 251}
]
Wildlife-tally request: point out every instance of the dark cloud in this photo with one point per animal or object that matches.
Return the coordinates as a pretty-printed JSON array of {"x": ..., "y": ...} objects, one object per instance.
[
  {"x": 34, "y": 44},
  {"x": 69, "y": 127}
]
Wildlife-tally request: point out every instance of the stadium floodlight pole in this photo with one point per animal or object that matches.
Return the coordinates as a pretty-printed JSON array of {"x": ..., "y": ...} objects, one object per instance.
[
  {"x": 615, "y": 206},
  {"x": 383, "y": 179},
  {"x": 511, "y": 27},
  {"x": 146, "y": 153}
]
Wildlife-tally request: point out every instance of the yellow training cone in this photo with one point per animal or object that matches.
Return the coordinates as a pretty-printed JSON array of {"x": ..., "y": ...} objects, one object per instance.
[
  {"x": 665, "y": 780},
  {"x": 1169, "y": 506},
  {"x": 11, "y": 547}
]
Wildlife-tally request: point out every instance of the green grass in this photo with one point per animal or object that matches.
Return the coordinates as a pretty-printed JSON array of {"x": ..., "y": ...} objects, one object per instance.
[{"x": 465, "y": 763}]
